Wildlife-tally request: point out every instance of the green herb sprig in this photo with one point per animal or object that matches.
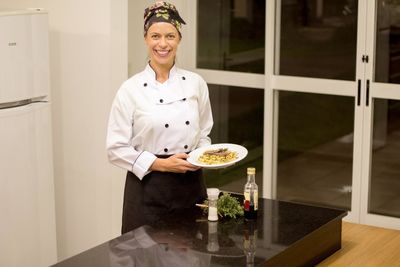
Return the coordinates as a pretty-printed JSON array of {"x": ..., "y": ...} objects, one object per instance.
[{"x": 227, "y": 206}]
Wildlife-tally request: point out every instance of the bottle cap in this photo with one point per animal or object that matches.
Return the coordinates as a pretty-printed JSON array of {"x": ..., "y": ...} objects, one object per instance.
[
  {"x": 213, "y": 192},
  {"x": 251, "y": 170}
]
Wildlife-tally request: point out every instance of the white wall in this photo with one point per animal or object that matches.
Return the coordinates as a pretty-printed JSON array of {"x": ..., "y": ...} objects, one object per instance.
[
  {"x": 88, "y": 62},
  {"x": 83, "y": 91}
]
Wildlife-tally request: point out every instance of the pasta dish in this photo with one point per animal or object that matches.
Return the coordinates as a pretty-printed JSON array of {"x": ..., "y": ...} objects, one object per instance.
[{"x": 217, "y": 156}]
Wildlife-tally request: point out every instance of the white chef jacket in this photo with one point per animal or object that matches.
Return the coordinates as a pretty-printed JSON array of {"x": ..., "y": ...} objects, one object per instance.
[{"x": 150, "y": 118}]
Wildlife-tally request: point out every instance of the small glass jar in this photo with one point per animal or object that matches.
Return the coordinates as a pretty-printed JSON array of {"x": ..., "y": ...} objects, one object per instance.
[{"x": 212, "y": 194}]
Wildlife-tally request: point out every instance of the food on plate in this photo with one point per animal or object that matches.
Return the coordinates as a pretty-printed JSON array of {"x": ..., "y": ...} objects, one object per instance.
[{"x": 217, "y": 156}]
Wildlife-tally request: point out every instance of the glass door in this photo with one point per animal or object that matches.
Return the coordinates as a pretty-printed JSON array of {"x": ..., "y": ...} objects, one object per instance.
[
  {"x": 227, "y": 48},
  {"x": 312, "y": 89},
  {"x": 381, "y": 167},
  {"x": 317, "y": 85}
]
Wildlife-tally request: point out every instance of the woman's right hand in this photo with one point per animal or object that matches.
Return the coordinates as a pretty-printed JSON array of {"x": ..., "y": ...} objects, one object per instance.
[{"x": 175, "y": 163}]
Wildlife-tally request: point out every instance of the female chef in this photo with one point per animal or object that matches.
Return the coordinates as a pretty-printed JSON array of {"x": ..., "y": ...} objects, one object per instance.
[{"x": 157, "y": 117}]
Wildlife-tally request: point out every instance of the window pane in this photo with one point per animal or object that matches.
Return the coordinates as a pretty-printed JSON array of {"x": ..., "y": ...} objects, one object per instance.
[
  {"x": 385, "y": 167},
  {"x": 238, "y": 118},
  {"x": 318, "y": 39},
  {"x": 315, "y": 149},
  {"x": 388, "y": 42},
  {"x": 230, "y": 35}
]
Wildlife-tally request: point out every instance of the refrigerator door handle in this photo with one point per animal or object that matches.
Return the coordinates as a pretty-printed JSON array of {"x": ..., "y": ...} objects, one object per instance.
[
  {"x": 23, "y": 102},
  {"x": 15, "y": 104}
]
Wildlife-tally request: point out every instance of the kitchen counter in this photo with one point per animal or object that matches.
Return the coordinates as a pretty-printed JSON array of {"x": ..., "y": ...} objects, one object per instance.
[{"x": 284, "y": 234}]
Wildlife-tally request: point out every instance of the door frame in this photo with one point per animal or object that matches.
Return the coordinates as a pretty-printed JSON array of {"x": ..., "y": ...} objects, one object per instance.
[{"x": 378, "y": 90}]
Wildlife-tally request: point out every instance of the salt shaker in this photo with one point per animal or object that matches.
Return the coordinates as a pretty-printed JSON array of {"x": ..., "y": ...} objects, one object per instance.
[{"x": 212, "y": 194}]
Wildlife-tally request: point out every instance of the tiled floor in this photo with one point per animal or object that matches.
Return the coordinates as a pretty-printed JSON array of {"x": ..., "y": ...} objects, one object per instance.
[
  {"x": 385, "y": 179},
  {"x": 323, "y": 176},
  {"x": 316, "y": 178}
]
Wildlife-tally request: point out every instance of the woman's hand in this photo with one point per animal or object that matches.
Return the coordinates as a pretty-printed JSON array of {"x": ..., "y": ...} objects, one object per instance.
[{"x": 175, "y": 163}]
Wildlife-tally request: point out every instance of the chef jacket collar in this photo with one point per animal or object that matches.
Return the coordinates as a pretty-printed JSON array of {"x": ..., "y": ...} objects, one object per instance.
[{"x": 152, "y": 74}]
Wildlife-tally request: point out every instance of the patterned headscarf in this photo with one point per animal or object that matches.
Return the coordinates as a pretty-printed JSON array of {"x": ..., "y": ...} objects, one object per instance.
[{"x": 162, "y": 11}]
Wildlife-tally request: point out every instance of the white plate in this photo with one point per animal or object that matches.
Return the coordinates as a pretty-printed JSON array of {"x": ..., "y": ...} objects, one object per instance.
[{"x": 195, "y": 154}]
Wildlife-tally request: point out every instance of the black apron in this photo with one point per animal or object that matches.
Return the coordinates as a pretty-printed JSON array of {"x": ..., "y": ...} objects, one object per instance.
[{"x": 159, "y": 194}]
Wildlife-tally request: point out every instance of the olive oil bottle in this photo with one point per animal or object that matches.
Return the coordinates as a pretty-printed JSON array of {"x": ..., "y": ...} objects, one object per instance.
[{"x": 250, "y": 195}]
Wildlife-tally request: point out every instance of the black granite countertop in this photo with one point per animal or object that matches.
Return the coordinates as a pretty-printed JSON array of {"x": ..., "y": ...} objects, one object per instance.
[{"x": 188, "y": 239}]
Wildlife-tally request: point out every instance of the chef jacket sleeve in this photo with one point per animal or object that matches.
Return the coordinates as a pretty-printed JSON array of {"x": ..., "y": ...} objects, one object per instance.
[
  {"x": 205, "y": 114},
  {"x": 120, "y": 150}
]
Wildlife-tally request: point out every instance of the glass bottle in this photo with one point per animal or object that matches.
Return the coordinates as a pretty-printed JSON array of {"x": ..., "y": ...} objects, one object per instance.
[{"x": 251, "y": 195}]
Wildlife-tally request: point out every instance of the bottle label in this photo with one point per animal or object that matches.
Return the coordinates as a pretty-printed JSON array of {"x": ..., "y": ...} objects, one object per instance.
[{"x": 250, "y": 202}]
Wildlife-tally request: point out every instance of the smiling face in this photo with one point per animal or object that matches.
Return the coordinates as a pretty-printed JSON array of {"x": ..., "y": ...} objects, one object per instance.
[{"x": 162, "y": 40}]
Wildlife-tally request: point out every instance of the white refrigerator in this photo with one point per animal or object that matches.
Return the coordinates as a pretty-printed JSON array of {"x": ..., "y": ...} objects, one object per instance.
[{"x": 27, "y": 202}]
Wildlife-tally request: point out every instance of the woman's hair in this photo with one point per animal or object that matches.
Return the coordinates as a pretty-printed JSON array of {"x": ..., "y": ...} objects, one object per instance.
[{"x": 162, "y": 11}]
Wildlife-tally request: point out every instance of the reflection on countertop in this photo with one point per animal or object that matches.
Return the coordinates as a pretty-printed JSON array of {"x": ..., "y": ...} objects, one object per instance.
[{"x": 282, "y": 232}]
